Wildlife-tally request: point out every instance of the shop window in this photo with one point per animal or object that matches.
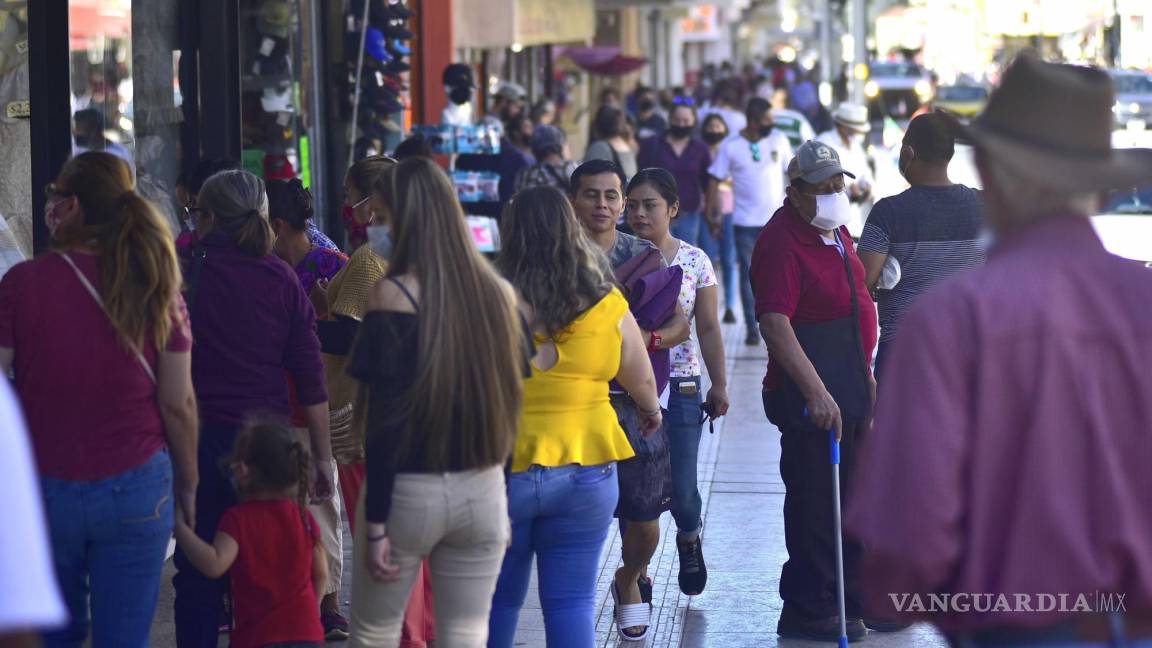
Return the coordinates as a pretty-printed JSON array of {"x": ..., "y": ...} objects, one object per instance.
[
  {"x": 15, "y": 136},
  {"x": 125, "y": 90}
]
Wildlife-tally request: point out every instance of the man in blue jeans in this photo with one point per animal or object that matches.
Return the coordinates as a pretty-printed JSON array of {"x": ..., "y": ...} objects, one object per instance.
[{"x": 757, "y": 163}]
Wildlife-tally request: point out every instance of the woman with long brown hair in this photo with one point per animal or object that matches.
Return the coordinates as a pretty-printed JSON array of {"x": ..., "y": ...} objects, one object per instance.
[
  {"x": 102, "y": 366},
  {"x": 252, "y": 321},
  {"x": 443, "y": 354},
  {"x": 563, "y": 487}
]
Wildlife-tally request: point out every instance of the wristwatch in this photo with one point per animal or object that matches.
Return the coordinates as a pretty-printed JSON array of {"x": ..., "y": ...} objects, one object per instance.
[{"x": 654, "y": 342}]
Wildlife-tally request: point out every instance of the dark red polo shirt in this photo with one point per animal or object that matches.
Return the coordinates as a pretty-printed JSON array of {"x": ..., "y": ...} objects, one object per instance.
[{"x": 797, "y": 274}]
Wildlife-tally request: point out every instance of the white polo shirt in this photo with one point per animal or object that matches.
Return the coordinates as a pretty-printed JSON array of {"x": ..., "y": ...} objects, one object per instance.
[{"x": 757, "y": 186}]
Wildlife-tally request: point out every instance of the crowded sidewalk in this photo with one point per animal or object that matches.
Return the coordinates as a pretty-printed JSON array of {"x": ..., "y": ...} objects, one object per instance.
[{"x": 743, "y": 532}]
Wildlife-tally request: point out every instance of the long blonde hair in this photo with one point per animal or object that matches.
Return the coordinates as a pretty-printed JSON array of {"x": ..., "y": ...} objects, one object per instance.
[
  {"x": 139, "y": 274},
  {"x": 470, "y": 358}
]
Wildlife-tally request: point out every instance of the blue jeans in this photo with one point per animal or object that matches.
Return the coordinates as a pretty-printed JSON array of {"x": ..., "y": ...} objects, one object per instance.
[
  {"x": 689, "y": 227},
  {"x": 199, "y": 606},
  {"x": 722, "y": 252},
  {"x": 684, "y": 429},
  {"x": 745, "y": 243},
  {"x": 109, "y": 537},
  {"x": 562, "y": 515}
]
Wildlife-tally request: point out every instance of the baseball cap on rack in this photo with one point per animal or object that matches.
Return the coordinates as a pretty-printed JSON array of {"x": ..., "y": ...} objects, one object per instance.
[
  {"x": 278, "y": 167},
  {"x": 275, "y": 18}
]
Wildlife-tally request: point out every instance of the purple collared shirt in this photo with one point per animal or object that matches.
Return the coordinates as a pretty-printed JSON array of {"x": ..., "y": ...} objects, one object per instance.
[
  {"x": 1012, "y": 451},
  {"x": 689, "y": 168},
  {"x": 251, "y": 321}
]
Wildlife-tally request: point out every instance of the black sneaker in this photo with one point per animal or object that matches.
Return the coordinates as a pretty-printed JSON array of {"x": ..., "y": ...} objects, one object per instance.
[
  {"x": 335, "y": 626},
  {"x": 793, "y": 626},
  {"x": 753, "y": 338},
  {"x": 729, "y": 316},
  {"x": 693, "y": 571},
  {"x": 883, "y": 625}
]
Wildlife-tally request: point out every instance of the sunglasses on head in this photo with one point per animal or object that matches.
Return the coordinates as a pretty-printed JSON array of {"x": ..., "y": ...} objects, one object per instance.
[{"x": 684, "y": 101}]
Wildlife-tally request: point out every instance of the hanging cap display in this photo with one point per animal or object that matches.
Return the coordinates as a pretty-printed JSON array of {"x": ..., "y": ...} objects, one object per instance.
[{"x": 275, "y": 18}]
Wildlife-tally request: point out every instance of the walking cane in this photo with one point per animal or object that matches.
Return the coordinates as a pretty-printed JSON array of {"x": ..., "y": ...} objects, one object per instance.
[
  {"x": 835, "y": 452},
  {"x": 835, "y": 445}
]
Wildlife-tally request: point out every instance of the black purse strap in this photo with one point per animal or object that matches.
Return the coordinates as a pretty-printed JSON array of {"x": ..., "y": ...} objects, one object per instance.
[
  {"x": 859, "y": 336},
  {"x": 198, "y": 255}
]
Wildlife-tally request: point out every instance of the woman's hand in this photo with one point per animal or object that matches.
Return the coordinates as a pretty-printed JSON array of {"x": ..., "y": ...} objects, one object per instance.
[
  {"x": 717, "y": 402},
  {"x": 185, "y": 494},
  {"x": 319, "y": 298},
  {"x": 379, "y": 557},
  {"x": 650, "y": 424},
  {"x": 322, "y": 489}
]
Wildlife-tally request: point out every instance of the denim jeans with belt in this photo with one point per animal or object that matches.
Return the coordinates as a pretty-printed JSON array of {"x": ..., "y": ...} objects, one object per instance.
[
  {"x": 684, "y": 429},
  {"x": 562, "y": 515},
  {"x": 745, "y": 244},
  {"x": 109, "y": 537}
]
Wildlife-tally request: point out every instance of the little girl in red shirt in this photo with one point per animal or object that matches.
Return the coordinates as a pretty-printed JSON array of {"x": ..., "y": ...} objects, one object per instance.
[{"x": 269, "y": 542}]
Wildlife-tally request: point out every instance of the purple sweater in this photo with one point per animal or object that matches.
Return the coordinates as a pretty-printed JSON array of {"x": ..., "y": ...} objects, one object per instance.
[{"x": 251, "y": 321}]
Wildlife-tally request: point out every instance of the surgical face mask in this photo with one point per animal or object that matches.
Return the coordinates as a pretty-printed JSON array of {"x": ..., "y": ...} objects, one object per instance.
[
  {"x": 765, "y": 131},
  {"x": 380, "y": 241},
  {"x": 647, "y": 105},
  {"x": 832, "y": 211},
  {"x": 680, "y": 132},
  {"x": 903, "y": 166},
  {"x": 857, "y": 139}
]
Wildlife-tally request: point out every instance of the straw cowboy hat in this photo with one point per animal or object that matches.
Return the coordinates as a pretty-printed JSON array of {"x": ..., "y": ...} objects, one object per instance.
[
  {"x": 852, "y": 116},
  {"x": 1053, "y": 123}
]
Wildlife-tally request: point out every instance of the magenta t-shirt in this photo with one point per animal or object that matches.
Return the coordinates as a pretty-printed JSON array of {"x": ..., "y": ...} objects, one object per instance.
[{"x": 90, "y": 406}]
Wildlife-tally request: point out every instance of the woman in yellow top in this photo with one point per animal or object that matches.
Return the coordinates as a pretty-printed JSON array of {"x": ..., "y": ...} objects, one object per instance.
[{"x": 563, "y": 488}]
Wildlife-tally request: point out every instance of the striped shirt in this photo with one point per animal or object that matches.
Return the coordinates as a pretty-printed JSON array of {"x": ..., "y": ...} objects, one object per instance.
[{"x": 933, "y": 232}]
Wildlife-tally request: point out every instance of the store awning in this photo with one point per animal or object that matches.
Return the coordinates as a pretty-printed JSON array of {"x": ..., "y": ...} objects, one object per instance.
[
  {"x": 502, "y": 23},
  {"x": 602, "y": 60}
]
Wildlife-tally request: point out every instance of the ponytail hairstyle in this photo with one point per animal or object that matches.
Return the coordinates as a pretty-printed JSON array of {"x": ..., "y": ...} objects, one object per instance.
[
  {"x": 290, "y": 202},
  {"x": 139, "y": 274},
  {"x": 276, "y": 458},
  {"x": 240, "y": 205}
]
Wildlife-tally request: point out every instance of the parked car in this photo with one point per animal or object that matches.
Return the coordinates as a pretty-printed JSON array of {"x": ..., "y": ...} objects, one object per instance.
[
  {"x": 1133, "y": 108},
  {"x": 1125, "y": 224},
  {"x": 962, "y": 100},
  {"x": 896, "y": 89}
]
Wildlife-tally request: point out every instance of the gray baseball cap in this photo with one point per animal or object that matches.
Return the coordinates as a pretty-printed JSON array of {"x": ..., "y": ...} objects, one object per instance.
[{"x": 815, "y": 162}]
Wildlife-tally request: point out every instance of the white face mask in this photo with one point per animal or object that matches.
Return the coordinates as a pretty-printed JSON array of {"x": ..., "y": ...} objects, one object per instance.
[
  {"x": 832, "y": 211},
  {"x": 380, "y": 241}
]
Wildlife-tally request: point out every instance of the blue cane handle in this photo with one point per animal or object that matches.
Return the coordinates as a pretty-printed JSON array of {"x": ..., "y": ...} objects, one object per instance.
[{"x": 832, "y": 442}]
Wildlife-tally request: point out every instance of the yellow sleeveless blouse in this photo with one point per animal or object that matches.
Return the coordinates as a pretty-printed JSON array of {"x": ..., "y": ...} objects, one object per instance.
[{"x": 567, "y": 418}]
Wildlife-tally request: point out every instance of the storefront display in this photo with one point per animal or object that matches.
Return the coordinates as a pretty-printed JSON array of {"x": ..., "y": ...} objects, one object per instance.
[{"x": 15, "y": 134}]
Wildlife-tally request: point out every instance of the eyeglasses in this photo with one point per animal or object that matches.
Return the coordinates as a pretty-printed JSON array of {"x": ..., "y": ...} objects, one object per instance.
[
  {"x": 706, "y": 416},
  {"x": 755, "y": 148},
  {"x": 52, "y": 191}
]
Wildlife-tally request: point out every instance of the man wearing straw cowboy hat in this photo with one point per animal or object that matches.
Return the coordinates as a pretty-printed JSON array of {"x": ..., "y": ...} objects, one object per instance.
[
  {"x": 847, "y": 136},
  {"x": 1008, "y": 467}
]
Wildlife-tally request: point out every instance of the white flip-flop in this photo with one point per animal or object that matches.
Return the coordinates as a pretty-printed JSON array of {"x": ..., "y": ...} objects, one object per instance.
[{"x": 631, "y": 615}]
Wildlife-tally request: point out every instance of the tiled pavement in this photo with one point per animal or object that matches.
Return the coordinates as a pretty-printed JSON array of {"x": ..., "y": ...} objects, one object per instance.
[{"x": 743, "y": 541}]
